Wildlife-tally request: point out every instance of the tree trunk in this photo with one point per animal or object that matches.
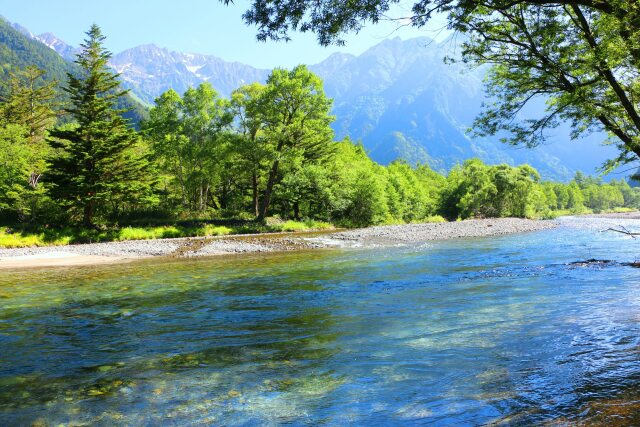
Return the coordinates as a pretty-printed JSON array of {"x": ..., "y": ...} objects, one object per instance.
[
  {"x": 87, "y": 217},
  {"x": 201, "y": 197},
  {"x": 296, "y": 210},
  {"x": 183, "y": 188},
  {"x": 254, "y": 188},
  {"x": 205, "y": 198},
  {"x": 266, "y": 198}
]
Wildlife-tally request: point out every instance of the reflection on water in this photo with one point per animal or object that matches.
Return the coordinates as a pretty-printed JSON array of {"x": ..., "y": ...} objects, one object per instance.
[{"x": 500, "y": 330}]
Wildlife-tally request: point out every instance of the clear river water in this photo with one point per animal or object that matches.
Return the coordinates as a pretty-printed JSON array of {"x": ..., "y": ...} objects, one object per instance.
[{"x": 501, "y": 330}]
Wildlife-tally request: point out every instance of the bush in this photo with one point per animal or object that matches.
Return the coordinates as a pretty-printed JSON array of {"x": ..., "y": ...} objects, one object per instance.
[{"x": 210, "y": 230}]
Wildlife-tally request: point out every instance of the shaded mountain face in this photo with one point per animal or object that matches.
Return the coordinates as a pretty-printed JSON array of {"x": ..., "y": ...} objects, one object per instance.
[
  {"x": 399, "y": 98},
  {"x": 403, "y": 101},
  {"x": 19, "y": 48}
]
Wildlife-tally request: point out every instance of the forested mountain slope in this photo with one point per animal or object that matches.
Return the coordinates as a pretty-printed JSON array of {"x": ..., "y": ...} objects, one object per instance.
[{"x": 19, "y": 48}]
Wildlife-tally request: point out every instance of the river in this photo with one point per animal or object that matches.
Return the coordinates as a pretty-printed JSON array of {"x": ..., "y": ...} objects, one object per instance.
[{"x": 499, "y": 330}]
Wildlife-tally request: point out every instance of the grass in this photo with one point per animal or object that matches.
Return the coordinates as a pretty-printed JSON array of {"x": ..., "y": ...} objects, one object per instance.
[
  {"x": 69, "y": 235},
  {"x": 429, "y": 219}
]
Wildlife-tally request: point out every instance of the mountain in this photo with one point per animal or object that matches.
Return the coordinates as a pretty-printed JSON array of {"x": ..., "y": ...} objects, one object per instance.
[
  {"x": 67, "y": 52},
  {"x": 404, "y": 101},
  {"x": 19, "y": 48},
  {"x": 149, "y": 71},
  {"x": 399, "y": 98}
]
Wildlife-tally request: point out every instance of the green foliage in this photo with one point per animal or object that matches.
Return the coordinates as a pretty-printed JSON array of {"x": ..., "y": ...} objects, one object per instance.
[
  {"x": 25, "y": 116},
  {"x": 479, "y": 190},
  {"x": 580, "y": 57},
  {"x": 18, "y": 52},
  {"x": 189, "y": 141},
  {"x": 223, "y": 165},
  {"x": 15, "y": 158},
  {"x": 31, "y": 102},
  {"x": 251, "y": 148},
  {"x": 96, "y": 164},
  {"x": 296, "y": 122}
]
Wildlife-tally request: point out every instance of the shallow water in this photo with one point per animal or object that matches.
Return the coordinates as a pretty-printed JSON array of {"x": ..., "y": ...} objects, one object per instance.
[{"x": 478, "y": 331}]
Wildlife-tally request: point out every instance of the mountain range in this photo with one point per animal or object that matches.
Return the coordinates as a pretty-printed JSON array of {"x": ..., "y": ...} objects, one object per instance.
[
  {"x": 19, "y": 48},
  {"x": 399, "y": 98}
]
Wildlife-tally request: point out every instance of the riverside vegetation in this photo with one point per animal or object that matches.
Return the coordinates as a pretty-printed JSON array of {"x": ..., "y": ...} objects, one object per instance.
[{"x": 75, "y": 170}]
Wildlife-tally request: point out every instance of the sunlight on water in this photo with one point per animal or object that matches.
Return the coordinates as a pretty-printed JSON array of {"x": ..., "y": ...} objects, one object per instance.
[{"x": 502, "y": 330}]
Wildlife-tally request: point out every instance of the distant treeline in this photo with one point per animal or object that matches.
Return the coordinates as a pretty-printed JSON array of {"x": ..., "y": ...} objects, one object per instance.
[{"x": 268, "y": 150}]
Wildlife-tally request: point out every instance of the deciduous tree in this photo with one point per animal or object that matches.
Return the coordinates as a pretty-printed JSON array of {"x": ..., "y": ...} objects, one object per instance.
[{"x": 297, "y": 120}]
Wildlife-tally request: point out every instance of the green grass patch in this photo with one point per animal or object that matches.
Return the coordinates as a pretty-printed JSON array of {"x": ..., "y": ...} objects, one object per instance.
[
  {"x": 69, "y": 235},
  {"x": 622, "y": 210},
  {"x": 296, "y": 226},
  {"x": 581, "y": 211},
  {"x": 141, "y": 233},
  {"x": 210, "y": 230},
  {"x": 28, "y": 239},
  {"x": 434, "y": 218}
]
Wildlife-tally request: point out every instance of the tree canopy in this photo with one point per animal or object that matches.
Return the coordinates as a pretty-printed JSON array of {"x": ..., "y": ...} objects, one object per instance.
[
  {"x": 265, "y": 155},
  {"x": 580, "y": 57},
  {"x": 95, "y": 161}
]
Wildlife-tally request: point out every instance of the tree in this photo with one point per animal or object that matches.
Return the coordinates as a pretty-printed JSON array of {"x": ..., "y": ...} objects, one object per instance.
[
  {"x": 575, "y": 199},
  {"x": 188, "y": 135},
  {"x": 296, "y": 123},
  {"x": 581, "y": 57},
  {"x": 26, "y": 114},
  {"x": 252, "y": 147},
  {"x": 31, "y": 102},
  {"x": 569, "y": 55},
  {"x": 415, "y": 191},
  {"x": 359, "y": 188},
  {"x": 480, "y": 190},
  {"x": 95, "y": 160},
  {"x": 15, "y": 165}
]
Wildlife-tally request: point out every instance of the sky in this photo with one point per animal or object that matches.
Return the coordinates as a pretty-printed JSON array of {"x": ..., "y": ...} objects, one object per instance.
[{"x": 197, "y": 26}]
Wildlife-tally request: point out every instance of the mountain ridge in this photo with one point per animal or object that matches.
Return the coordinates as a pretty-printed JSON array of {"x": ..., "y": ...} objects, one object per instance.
[
  {"x": 398, "y": 97},
  {"x": 20, "y": 48}
]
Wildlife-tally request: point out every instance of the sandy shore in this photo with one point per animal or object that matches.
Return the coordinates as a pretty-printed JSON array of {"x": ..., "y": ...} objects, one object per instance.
[
  {"x": 100, "y": 253},
  {"x": 56, "y": 259}
]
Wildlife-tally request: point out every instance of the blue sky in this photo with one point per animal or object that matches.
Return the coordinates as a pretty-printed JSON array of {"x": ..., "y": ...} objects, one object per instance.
[{"x": 200, "y": 26}]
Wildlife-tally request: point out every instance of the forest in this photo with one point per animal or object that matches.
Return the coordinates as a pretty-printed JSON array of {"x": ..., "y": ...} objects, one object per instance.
[{"x": 75, "y": 168}]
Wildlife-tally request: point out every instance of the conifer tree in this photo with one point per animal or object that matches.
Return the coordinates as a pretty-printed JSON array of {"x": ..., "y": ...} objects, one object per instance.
[
  {"x": 97, "y": 161},
  {"x": 30, "y": 102},
  {"x": 28, "y": 109}
]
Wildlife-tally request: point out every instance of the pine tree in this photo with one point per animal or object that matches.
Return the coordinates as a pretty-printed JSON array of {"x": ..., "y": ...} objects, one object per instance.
[
  {"x": 27, "y": 111},
  {"x": 30, "y": 102},
  {"x": 97, "y": 161}
]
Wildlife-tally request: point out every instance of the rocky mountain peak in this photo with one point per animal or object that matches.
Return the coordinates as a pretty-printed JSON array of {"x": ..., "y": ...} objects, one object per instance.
[{"x": 65, "y": 50}]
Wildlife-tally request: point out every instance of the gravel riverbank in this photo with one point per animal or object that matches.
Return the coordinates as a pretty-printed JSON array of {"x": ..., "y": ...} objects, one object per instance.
[
  {"x": 194, "y": 247},
  {"x": 407, "y": 233}
]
